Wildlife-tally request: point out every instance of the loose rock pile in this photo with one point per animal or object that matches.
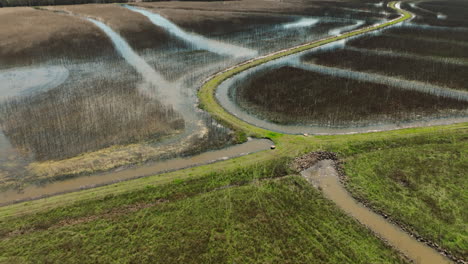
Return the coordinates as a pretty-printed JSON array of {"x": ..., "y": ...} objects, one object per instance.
[{"x": 308, "y": 160}]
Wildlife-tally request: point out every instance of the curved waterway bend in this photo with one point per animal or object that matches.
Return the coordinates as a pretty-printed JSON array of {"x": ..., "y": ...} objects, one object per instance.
[
  {"x": 85, "y": 182},
  {"x": 324, "y": 176},
  {"x": 198, "y": 41},
  {"x": 222, "y": 96}
]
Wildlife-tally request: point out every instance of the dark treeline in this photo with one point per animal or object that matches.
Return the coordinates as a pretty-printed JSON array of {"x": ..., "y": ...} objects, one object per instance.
[
  {"x": 65, "y": 122},
  {"x": 12, "y": 3},
  {"x": 289, "y": 96}
]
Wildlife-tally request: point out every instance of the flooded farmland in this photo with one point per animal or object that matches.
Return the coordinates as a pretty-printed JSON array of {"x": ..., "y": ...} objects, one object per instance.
[
  {"x": 130, "y": 96},
  {"x": 178, "y": 128},
  {"x": 383, "y": 80}
]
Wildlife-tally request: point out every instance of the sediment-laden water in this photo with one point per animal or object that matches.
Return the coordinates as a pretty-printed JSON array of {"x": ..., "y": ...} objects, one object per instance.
[
  {"x": 197, "y": 41},
  {"x": 324, "y": 176}
]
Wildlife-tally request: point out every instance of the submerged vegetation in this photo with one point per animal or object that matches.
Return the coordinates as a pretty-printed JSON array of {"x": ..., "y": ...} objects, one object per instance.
[
  {"x": 87, "y": 115},
  {"x": 290, "y": 95},
  {"x": 434, "y": 72},
  {"x": 247, "y": 209},
  {"x": 249, "y": 214},
  {"x": 72, "y": 129}
]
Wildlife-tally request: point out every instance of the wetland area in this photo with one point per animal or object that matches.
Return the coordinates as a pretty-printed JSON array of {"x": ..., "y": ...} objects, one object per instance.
[{"x": 109, "y": 111}]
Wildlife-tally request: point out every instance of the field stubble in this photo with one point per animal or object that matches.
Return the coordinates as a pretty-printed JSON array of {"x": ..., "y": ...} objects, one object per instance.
[{"x": 289, "y": 95}]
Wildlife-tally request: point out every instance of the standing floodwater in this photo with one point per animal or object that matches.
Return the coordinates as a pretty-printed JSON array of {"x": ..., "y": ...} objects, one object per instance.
[
  {"x": 163, "y": 89},
  {"x": 30, "y": 80},
  {"x": 197, "y": 41},
  {"x": 323, "y": 175}
]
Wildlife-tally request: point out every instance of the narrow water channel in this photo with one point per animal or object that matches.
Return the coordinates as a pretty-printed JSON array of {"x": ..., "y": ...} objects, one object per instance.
[
  {"x": 85, "y": 182},
  {"x": 30, "y": 80},
  {"x": 324, "y": 176},
  {"x": 196, "y": 40}
]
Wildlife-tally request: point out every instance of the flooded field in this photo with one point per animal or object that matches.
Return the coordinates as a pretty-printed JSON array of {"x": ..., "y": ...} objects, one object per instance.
[
  {"x": 46, "y": 189},
  {"x": 119, "y": 95},
  {"x": 324, "y": 176},
  {"x": 289, "y": 95},
  {"x": 384, "y": 80},
  {"x": 110, "y": 86}
]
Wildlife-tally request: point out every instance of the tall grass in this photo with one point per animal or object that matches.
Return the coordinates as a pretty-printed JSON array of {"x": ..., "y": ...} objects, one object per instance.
[{"x": 421, "y": 185}]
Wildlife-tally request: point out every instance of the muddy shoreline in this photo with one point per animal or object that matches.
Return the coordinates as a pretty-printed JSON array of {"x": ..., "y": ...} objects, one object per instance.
[{"x": 309, "y": 160}]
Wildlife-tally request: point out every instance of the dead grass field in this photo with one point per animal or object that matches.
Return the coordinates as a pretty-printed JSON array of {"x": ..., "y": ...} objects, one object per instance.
[{"x": 28, "y": 35}]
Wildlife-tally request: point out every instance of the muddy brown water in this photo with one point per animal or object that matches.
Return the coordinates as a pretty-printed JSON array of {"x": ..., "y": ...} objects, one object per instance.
[
  {"x": 85, "y": 182},
  {"x": 324, "y": 176}
]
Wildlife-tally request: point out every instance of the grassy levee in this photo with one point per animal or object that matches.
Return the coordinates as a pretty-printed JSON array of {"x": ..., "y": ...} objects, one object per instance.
[
  {"x": 187, "y": 202},
  {"x": 287, "y": 145},
  {"x": 422, "y": 186}
]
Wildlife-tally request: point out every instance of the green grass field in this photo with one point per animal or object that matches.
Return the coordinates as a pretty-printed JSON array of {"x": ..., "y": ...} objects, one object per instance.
[
  {"x": 423, "y": 185},
  {"x": 257, "y": 214}
]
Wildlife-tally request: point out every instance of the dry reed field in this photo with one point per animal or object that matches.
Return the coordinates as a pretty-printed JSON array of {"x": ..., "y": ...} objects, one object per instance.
[
  {"x": 86, "y": 116},
  {"x": 433, "y": 72}
]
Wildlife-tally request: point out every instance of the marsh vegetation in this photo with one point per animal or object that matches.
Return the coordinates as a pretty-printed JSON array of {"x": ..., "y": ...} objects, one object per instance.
[
  {"x": 289, "y": 95},
  {"x": 420, "y": 184},
  {"x": 400, "y": 75},
  {"x": 87, "y": 114},
  {"x": 434, "y": 72},
  {"x": 136, "y": 102}
]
